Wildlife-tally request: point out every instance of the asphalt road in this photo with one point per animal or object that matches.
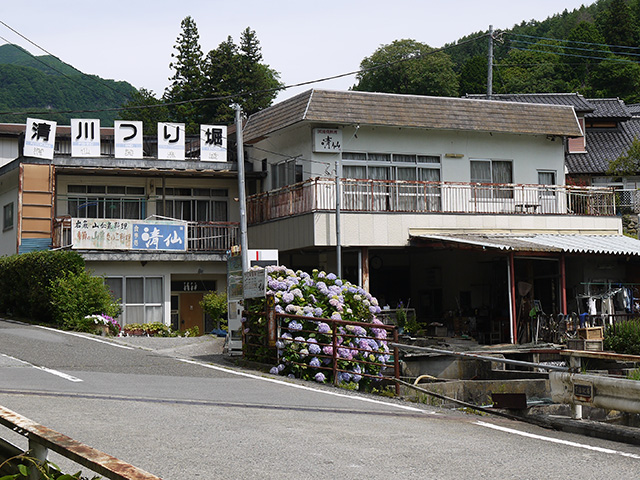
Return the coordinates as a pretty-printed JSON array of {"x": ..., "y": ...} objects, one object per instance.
[{"x": 169, "y": 406}]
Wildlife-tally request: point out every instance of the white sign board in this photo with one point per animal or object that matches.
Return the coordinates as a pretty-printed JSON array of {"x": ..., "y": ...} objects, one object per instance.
[
  {"x": 171, "y": 141},
  {"x": 255, "y": 283},
  {"x": 121, "y": 234},
  {"x": 85, "y": 137},
  {"x": 128, "y": 139},
  {"x": 327, "y": 140},
  {"x": 213, "y": 143},
  {"x": 40, "y": 138}
]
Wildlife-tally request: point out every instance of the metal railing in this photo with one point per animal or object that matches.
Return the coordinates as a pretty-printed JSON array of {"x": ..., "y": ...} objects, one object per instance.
[
  {"x": 202, "y": 237},
  {"x": 319, "y": 194},
  {"x": 340, "y": 344},
  {"x": 42, "y": 439}
]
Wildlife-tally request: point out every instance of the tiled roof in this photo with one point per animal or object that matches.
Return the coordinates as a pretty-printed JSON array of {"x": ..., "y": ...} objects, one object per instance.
[
  {"x": 412, "y": 111},
  {"x": 575, "y": 100},
  {"x": 634, "y": 109},
  {"x": 603, "y": 146},
  {"x": 609, "y": 108}
]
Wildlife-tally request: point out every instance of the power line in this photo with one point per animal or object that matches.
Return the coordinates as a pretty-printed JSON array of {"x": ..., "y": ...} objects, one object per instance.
[
  {"x": 58, "y": 71},
  {"x": 574, "y": 48},
  {"x": 572, "y": 41},
  {"x": 257, "y": 92},
  {"x": 614, "y": 59}
]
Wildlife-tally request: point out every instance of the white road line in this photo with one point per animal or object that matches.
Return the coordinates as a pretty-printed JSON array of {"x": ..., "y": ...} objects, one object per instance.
[
  {"x": 557, "y": 440},
  {"x": 45, "y": 369},
  {"x": 303, "y": 387},
  {"x": 113, "y": 344}
]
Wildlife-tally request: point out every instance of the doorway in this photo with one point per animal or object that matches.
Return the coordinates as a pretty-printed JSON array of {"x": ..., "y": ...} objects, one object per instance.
[{"x": 191, "y": 314}]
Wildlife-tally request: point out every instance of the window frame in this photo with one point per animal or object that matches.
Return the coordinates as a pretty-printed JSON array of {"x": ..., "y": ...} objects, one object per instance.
[{"x": 8, "y": 217}]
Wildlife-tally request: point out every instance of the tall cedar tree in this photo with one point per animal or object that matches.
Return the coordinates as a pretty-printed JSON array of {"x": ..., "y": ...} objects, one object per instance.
[{"x": 187, "y": 80}]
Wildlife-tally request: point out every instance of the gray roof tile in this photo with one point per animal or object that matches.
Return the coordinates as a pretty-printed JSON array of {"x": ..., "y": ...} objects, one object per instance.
[{"x": 412, "y": 111}]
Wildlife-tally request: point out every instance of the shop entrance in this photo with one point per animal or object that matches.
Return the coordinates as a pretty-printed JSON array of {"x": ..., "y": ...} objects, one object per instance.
[{"x": 191, "y": 314}]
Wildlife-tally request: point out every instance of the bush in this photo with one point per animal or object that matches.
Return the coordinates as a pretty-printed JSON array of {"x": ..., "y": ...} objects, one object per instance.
[
  {"x": 304, "y": 348},
  {"x": 25, "y": 281},
  {"x": 214, "y": 304},
  {"x": 623, "y": 337},
  {"x": 75, "y": 296}
]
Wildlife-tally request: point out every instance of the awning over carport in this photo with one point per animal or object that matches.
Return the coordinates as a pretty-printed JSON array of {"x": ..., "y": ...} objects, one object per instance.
[
  {"x": 542, "y": 244},
  {"x": 587, "y": 244}
]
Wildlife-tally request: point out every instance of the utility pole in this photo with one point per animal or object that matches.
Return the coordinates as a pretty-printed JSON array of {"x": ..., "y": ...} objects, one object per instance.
[
  {"x": 338, "y": 240},
  {"x": 490, "y": 65},
  {"x": 244, "y": 246}
]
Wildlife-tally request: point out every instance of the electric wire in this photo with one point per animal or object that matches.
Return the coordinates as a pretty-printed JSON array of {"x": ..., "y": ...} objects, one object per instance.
[{"x": 127, "y": 97}]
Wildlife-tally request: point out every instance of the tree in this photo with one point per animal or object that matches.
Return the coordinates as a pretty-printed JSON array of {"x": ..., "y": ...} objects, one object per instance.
[
  {"x": 537, "y": 70},
  {"x": 618, "y": 24},
  {"x": 584, "y": 52},
  {"x": 146, "y": 107},
  {"x": 617, "y": 77},
  {"x": 235, "y": 74},
  {"x": 628, "y": 163},
  {"x": 408, "y": 67},
  {"x": 473, "y": 76},
  {"x": 186, "y": 82}
]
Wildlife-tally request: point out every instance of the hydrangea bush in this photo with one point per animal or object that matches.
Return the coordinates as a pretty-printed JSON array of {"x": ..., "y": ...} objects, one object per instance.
[{"x": 305, "y": 345}]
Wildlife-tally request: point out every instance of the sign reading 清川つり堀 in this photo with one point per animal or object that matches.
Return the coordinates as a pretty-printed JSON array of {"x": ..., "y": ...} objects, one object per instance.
[
  {"x": 39, "y": 138},
  {"x": 113, "y": 234}
]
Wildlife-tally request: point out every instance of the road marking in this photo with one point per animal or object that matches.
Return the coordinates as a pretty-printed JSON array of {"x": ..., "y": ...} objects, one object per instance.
[
  {"x": 303, "y": 387},
  {"x": 557, "y": 440},
  {"x": 71, "y": 378},
  {"x": 113, "y": 344}
]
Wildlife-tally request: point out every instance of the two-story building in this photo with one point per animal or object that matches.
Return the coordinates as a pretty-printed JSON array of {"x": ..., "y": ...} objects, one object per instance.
[
  {"x": 48, "y": 202},
  {"x": 455, "y": 207}
]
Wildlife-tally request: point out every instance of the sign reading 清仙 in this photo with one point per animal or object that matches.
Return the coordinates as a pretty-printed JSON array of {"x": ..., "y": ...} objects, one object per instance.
[
  {"x": 327, "y": 140},
  {"x": 158, "y": 236}
]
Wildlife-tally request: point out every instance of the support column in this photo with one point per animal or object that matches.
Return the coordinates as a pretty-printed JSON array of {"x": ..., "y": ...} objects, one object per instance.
[
  {"x": 576, "y": 410},
  {"x": 364, "y": 263},
  {"x": 563, "y": 285},
  {"x": 512, "y": 297}
]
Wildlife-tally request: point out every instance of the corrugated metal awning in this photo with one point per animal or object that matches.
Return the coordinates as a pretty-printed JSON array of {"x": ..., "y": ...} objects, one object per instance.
[{"x": 596, "y": 244}]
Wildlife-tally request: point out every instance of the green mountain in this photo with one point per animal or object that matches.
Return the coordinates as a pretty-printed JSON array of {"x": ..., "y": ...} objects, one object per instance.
[{"x": 44, "y": 83}]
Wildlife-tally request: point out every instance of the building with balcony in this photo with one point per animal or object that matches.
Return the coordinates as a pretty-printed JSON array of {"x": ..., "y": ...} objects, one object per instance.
[
  {"x": 455, "y": 207},
  {"x": 91, "y": 203}
]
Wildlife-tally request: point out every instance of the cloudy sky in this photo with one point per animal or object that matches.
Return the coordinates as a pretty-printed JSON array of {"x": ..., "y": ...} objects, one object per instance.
[{"x": 304, "y": 41}]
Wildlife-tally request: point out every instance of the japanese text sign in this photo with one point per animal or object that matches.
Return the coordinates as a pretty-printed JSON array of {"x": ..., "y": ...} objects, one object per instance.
[
  {"x": 327, "y": 140},
  {"x": 213, "y": 143},
  {"x": 85, "y": 137},
  {"x": 40, "y": 138},
  {"x": 118, "y": 234},
  {"x": 128, "y": 139},
  {"x": 171, "y": 141}
]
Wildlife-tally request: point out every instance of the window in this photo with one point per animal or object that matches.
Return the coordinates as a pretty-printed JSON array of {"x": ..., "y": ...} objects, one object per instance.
[
  {"x": 102, "y": 201},
  {"x": 141, "y": 298},
  {"x": 7, "y": 223},
  {"x": 193, "y": 204},
  {"x": 547, "y": 178},
  {"x": 286, "y": 173},
  {"x": 492, "y": 172}
]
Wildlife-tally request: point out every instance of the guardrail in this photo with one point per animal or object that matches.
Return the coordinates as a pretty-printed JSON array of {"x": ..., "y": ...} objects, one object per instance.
[{"x": 41, "y": 439}]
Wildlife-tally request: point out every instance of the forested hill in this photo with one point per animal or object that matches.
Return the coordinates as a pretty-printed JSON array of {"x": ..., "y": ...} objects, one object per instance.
[
  {"x": 44, "y": 83},
  {"x": 593, "y": 50}
]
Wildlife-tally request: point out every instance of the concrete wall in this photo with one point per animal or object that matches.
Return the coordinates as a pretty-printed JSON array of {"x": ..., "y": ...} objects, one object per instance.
[{"x": 9, "y": 194}]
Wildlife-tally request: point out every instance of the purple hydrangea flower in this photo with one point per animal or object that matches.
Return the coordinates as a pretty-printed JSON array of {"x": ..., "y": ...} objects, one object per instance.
[
  {"x": 314, "y": 349},
  {"x": 319, "y": 377},
  {"x": 315, "y": 362},
  {"x": 274, "y": 371},
  {"x": 324, "y": 328},
  {"x": 295, "y": 326}
]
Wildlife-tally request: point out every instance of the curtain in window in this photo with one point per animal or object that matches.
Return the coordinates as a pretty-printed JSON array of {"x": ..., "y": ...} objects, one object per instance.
[
  {"x": 153, "y": 290},
  {"x": 135, "y": 290},
  {"x": 481, "y": 173},
  {"x": 502, "y": 173}
]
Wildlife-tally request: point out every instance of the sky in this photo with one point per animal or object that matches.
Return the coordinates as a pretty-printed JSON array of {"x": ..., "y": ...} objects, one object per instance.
[{"x": 304, "y": 41}]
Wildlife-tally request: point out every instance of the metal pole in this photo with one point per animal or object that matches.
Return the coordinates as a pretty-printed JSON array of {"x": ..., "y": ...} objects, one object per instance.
[
  {"x": 490, "y": 65},
  {"x": 338, "y": 240},
  {"x": 244, "y": 246}
]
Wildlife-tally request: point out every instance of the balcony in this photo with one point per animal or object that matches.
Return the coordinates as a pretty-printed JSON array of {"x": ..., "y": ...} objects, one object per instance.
[
  {"x": 202, "y": 237},
  {"x": 319, "y": 194}
]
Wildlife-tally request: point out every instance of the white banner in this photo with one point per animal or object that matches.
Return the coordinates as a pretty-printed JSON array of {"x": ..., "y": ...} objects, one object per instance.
[
  {"x": 85, "y": 137},
  {"x": 128, "y": 138},
  {"x": 171, "y": 141},
  {"x": 213, "y": 143},
  {"x": 39, "y": 138}
]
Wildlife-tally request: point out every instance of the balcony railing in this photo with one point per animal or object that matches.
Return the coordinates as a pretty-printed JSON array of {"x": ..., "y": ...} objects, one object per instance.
[
  {"x": 319, "y": 194},
  {"x": 202, "y": 237}
]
